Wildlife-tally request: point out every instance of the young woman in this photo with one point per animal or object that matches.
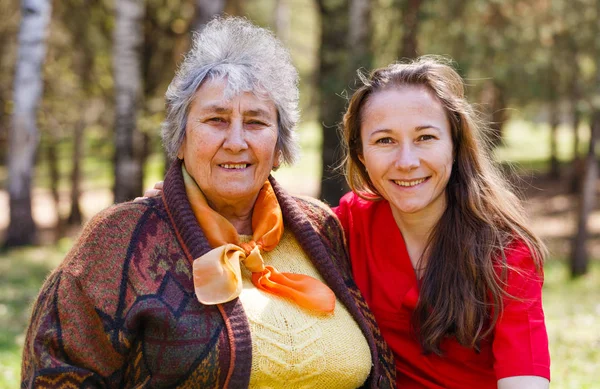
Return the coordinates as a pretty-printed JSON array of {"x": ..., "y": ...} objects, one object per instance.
[{"x": 439, "y": 244}]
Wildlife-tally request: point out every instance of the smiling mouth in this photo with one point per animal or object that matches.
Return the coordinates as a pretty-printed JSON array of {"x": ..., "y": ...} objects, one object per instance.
[
  {"x": 234, "y": 166},
  {"x": 411, "y": 183}
]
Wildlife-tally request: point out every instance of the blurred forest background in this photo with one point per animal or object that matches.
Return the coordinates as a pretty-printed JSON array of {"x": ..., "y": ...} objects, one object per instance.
[{"x": 82, "y": 87}]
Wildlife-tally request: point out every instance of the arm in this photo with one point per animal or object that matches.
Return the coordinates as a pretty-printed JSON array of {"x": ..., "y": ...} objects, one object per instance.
[
  {"x": 523, "y": 381},
  {"x": 520, "y": 346},
  {"x": 73, "y": 337},
  {"x": 66, "y": 342}
]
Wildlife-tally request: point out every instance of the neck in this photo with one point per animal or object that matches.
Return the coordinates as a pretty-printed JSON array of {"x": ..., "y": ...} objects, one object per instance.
[
  {"x": 239, "y": 214},
  {"x": 416, "y": 230}
]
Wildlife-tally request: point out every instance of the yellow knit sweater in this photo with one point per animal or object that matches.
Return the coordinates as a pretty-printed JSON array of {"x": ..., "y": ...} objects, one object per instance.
[{"x": 295, "y": 348}]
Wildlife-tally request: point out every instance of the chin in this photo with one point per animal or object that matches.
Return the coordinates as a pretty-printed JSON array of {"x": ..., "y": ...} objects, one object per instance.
[{"x": 408, "y": 208}]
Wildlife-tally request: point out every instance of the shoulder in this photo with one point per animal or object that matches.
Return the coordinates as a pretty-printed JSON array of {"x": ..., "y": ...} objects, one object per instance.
[
  {"x": 354, "y": 209},
  {"x": 521, "y": 273},
  {"x": 323, "y": 220},
  {"x": 312, "y": 205},
  {"x": 519, "y": 256},
  {"x": 320, "y": 215},
  {"x": 108, "y": 235},
  {"x": 354, "y": 201},
  {"x": 356, "y": 205},
  {"x": 117, "y": 220}
]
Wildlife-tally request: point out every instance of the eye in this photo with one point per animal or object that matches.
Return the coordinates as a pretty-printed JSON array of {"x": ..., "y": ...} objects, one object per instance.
[
  {"x": 384, "y": 141},
  {"x": 256, "y": 123},
  {"x": 216, "y": 120},
  {"x": 426, "y": 137}
]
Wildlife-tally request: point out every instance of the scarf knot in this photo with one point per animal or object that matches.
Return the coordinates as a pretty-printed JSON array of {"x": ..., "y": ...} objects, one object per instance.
[{"x": 217, "y": 274}]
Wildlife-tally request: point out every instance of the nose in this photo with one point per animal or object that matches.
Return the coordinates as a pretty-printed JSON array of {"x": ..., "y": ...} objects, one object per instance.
[
  {"x": 235, "y": 140},
  {"x": 407, "y": 158}
]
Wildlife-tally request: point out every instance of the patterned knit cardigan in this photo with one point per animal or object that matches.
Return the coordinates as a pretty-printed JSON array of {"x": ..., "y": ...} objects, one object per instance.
[{"x": 120, "y": 311}]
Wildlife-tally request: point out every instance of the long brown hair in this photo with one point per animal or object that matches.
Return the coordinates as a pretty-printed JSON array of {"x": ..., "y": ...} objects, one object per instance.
[{"x": 464, "y": 280}]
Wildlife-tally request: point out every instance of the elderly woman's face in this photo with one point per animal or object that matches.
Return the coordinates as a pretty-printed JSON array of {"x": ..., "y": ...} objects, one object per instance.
[{"x": 229, "y": 145}]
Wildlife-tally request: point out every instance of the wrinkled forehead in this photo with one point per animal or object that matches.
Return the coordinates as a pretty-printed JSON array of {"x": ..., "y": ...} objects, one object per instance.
[{"x": 219, "y": 95}]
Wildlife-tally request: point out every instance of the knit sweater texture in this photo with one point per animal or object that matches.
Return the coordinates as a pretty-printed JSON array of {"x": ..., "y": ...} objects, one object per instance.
[
  {"x": 120, "y": 311},
  {"x": 292, "y": 347}
]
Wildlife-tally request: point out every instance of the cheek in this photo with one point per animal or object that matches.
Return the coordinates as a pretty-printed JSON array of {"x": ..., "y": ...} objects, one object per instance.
[
  {"x": 367, "y": 160},
  {"x": 446, "y": 165},
  {"x": 267, "y": 148}
]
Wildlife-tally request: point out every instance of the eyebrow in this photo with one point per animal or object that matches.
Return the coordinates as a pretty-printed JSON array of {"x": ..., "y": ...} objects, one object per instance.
[
  {"x": 224, "y": 111},
  {"x": 427, "y": 127},
  {"x": 256, "y": 112},
  {"x": 418, "y": 128}
]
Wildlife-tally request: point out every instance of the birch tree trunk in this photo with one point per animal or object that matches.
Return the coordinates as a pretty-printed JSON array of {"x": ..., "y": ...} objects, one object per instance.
[
  {"x": 128, "y": 39},
  {"x": 23, "y": 136},
  {"x": 332, "y": 79},
  {"x": 205, "y": 11}
]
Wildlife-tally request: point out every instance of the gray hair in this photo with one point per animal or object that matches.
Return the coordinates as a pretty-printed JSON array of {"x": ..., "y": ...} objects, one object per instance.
[{"x": 251, "y": 59}]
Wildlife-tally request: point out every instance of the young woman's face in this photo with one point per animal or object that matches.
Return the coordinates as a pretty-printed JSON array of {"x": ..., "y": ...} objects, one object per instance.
[{"x": 408, "y": 150}]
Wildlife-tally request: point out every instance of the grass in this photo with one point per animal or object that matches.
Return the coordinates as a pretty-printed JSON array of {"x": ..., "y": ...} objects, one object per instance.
[
  {"x": 22, "y": 272},
  {"x": 572, "y": 310}
]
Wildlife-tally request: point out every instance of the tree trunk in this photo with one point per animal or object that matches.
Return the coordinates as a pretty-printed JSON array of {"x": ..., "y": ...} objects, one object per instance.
[
  {"x": 128, "y": 38},
  {"x": 331, "y": 80},
  {"x": 359, "y": 36},
  {"x": 75, "y": 217},
  {"x": 410, "y": 26},
  {"x": 579, "y": 256},
  {"x": 205, "y": 11},
  {"x": 52, "y": 157},
  {"x": 554, "y": 172},
  {"x": 577, "y": 163},
  {"x": 554, "y": 114},
  {"x": 24, "y": 137},
  {"x": 587, "y": 197},
  {"x": 492, "y": 98},
  {"x": 234, "y": 7}
]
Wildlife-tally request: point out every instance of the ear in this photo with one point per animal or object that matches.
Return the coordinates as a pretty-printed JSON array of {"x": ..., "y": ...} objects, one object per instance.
[
  {"x": 181, "y": 151},
  {"x": 362, "y": 159},
  {"x": 277, "y": 160}
]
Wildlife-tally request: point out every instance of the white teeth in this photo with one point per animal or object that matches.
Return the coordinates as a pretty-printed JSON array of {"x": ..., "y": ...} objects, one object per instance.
[
  {"x": 409, "y": 183},
  {"x": 234, "y": 165}
]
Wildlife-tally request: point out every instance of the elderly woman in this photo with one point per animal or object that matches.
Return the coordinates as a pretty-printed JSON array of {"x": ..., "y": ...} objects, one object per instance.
[{"x": 225, "y": 280}]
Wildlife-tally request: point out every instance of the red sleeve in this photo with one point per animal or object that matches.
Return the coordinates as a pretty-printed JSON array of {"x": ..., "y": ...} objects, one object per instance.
[{"x": 520, "y": 340}]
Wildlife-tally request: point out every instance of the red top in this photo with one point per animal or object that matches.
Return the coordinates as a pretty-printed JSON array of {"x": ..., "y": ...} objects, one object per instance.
[{"x": 384, "y": 274}]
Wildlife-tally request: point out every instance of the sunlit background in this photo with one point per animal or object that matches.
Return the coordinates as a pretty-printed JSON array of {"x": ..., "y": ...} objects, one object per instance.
[{"x": 532, "y": 69}]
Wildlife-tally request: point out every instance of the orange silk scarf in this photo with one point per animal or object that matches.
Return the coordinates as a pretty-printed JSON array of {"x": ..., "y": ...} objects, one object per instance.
[{"x": 217, "y": 274}]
